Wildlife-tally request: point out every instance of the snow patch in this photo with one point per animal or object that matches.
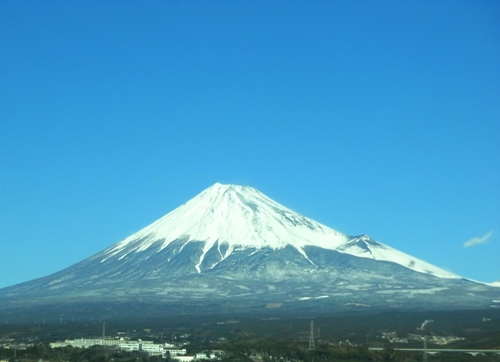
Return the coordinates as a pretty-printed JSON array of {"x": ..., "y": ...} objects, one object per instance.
[{"x": 245, "y": 218}]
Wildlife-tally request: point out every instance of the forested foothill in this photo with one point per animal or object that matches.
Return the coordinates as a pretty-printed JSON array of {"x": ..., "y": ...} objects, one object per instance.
[
  {"x": 250, "y": 350},
  {"x": 42, "y": 352},
  {"x": 263, "y": 338}
]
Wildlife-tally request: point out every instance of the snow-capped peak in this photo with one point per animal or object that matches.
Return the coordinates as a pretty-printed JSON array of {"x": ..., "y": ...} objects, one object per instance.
[
  {"x": 243, "y": 217},
  {"x": 238, "y": 215}
]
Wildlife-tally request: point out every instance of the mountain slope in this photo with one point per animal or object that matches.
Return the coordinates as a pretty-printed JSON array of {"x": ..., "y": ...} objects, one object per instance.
[
  {"x": 234, "y": 243},
  {"x": 242, "y": 217}
]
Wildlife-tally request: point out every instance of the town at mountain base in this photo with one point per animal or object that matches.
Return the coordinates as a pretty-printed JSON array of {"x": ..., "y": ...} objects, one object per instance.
[{"x": 233, "y": 248}]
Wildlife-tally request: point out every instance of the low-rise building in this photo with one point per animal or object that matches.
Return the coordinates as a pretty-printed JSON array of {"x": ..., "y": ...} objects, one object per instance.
[
  {"x": 183, "y": 358},
  {"x": 149, "y": 348},
  {"x": 172, "y": 352},
  {"x": 89, "y": 342},
  {"x": 152, "y": 349}
]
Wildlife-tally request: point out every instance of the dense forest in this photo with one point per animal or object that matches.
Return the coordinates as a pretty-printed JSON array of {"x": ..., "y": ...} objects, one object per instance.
[
  {"x": 241, "y": 351},
  {"x": 261, "y": 338},
  {"x": 42, "y": 352}
]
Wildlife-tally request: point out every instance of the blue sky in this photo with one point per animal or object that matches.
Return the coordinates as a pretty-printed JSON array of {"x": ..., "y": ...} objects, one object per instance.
[{"x": 378, "y": 118}]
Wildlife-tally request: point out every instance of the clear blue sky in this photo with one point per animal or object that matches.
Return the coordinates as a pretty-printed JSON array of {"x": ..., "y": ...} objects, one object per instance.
[{"x": 372, "y": 117}]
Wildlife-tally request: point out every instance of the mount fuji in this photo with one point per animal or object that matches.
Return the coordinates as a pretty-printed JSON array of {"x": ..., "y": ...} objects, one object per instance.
[{"x": 233, "y": 244}]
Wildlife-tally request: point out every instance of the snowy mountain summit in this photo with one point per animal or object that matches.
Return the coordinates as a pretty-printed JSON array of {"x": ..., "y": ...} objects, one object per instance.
[
  {"x": 233, "y": 247},
  {"x": 237, "y": 217}
]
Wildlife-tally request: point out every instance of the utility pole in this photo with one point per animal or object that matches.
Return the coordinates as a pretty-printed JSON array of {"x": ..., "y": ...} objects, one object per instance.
[
  {"x": 425, "y": 358},
  {"x": 311, "y": 337},
  {"x": 103, "y": 330}
]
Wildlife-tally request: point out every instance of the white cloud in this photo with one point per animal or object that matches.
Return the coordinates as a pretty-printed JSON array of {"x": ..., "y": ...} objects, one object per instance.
[{"x": 478, "y": 240}]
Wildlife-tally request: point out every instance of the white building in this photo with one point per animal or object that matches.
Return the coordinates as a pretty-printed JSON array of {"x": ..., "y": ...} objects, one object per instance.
[
  {"x": 149, "y": 348},
  {"x": 58, "y": 344},
  {"x": 183, "y": 358},
  {"x": 175, "y": 351},
  {"x": 85, "y": 343},
  {"x": 202, "y": 355}
]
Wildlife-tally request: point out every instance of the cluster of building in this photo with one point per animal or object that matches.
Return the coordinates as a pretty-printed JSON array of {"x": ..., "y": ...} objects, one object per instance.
[
  {"x": 153, "y": 349},
  {"x": 440, "y": 340}
]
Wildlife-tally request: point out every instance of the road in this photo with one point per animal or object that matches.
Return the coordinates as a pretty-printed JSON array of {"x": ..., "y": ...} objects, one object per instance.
[{"x": 439, "y": 350}]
